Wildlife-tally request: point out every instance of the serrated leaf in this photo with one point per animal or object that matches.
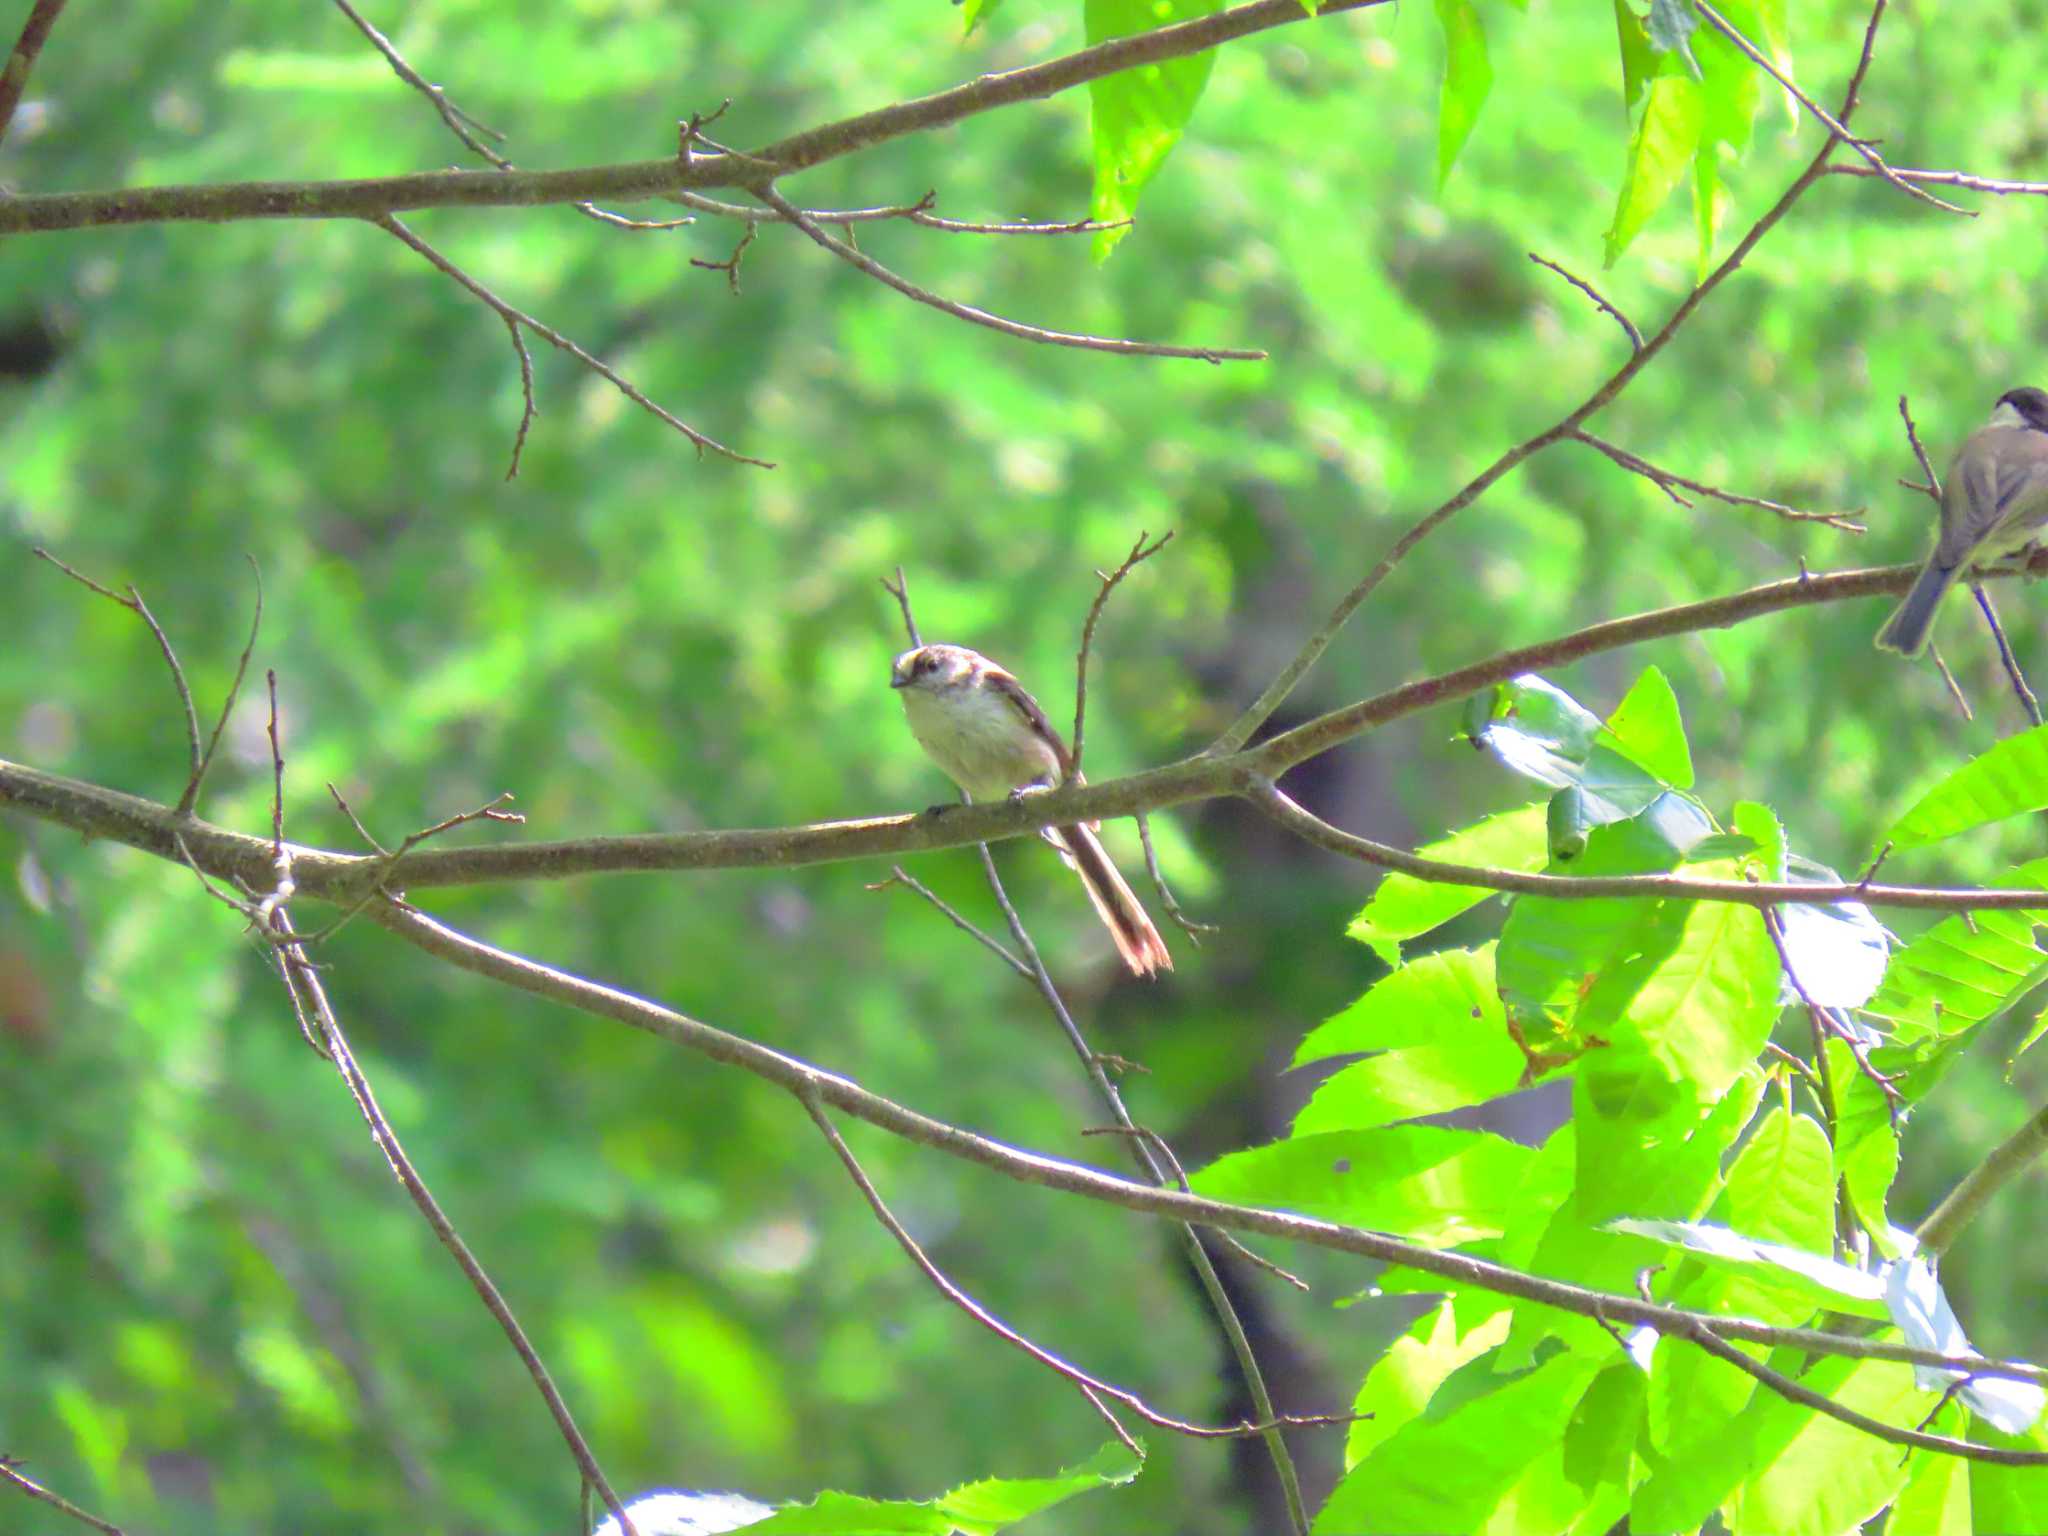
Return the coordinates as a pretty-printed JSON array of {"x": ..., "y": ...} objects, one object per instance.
[
  {"x": 1426, "y": 1183},
  {"x": 1963, "y": 970},
  {"x": 1437, "y": 1025},
  {"x": 1816, "y": 1476},
  {"x": 1138, "y": 113},
  {"x": 1647, "y": 728},
  {"x": 973, "y": 1509},
  {"x": 1866, "y": 1145},
  {"x": 1448, "y": 1469},
  {"x": 2009, "y": 780},
  {"x": 1402, "y": 1381},
  {"x": 1404, "y": 907},
  {"x": 1468, "y": 76},
  {"x": 1727, "y": 1246},
  {"x": 1666, "y": 137}
]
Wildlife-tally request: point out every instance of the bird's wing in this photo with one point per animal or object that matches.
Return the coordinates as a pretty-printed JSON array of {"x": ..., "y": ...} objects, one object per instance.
[{"x": 1027, "y": 708}]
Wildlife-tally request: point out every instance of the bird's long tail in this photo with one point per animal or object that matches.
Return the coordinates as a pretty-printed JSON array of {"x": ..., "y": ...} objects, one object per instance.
[
  {"x": 1906, "y": 630},
  {"x": 1114, "y": 901}
]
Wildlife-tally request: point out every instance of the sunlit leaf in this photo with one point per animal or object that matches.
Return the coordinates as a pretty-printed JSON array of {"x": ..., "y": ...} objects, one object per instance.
[
  {"x": 1138, "y": 113},
  {"x": 1404, "y": 907},
  {"x": 973, "y": 1509},
  {"x": 1402, "y": 1381},
  {"x": 1467, "y": 78},
  {"x": 1436, "y": 1186},
  {"x": 1666, "y": 137},
  {"x": 1816, "y": 1476},
  {"x": 1965, "y": 969},
  {"x": 2010, "y": 779},
  {"x": 1646, "y": 727},
  {"x": 974, "y": 12}
]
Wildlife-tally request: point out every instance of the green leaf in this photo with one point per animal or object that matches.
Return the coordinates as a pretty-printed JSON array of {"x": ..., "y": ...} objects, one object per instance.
[
  {"x": 1670, "y": 25},
  {"x": 1536, "y": 729},
  {"x": 1963, "y": 970},
  {"x": 1640, "y": 62},
  {"x": 1138, "y": 113},
  {"x": 973, "y": 1509},
  {"x": 2010, "y": 779},
  {"x": 1666, "y": 137},
  {"x": 1866, "y": 1145},
  {"x": 1647, "y": 729},
  {"x": 1443, "y": 1044},
  {"x": 975, "y": 12},
  {"x": 1935, "y": 1500},
  {"x": 1447, "y": 1470},
  {"x": 1468, "y": 76},
  {"x": 1404, "y": 907},
  {"x": 1402, "y": 1381},
  {"x": 1818, "y": 1476},
  {"x": 1433, "y": 1185}
]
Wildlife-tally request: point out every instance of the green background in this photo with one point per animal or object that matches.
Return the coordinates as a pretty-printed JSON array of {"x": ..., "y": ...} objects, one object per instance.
[{"x": 216, "y": 1312}]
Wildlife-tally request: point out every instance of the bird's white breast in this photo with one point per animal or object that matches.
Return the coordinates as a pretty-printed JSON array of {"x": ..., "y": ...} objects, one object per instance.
[{"x": 979, "y": 739}]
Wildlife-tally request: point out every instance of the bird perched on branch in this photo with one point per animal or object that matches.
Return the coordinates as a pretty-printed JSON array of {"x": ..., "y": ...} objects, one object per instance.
[
  {"x": 978, "y": 724},
  {"x": 1994, "y": 503}
]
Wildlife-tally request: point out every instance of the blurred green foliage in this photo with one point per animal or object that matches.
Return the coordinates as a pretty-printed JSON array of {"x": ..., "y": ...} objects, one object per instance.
[{"x": 215, "y": 1309}]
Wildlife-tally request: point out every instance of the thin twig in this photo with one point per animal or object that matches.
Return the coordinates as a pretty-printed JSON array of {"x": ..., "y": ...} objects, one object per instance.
[
  {"x": 1246, "y": 725},
  {"x": 190, "y": 799},
  {"x": 897, "y": 876},
  {"x": 974, "y": 1309},
  {"x": 731, "y": 265},
  {"x": 42, "y": 16},
  {"x": 491, "y": 810},
  {"x": 1960, "y": 179},
  {"x": 1159, "y": 1144},
  {"x": 1876, "y": 162},
  {"x": 1670, "y": 484},
  {"x": 1140, "y": 552},
  {"x": 554, "y": 338},
  {"x": 1172, "y": 908},
  {"x": 1933, "y": 485},
  {"x": 2006, "y": 658},
  {"x": 918, "y": 213},
  {"x": 1628, "y": 326},
  {"x": 134, "y": 604},
  {"x": 1825, "y": 1024},
  {"x": 460, "y": 123},
  {"x": 862, "y": 262},
  {"x": 841, "y": 1093},
  {"x": 1954, "y": 688},
  {"x": 900, "y": 590},
  {"x": 35, "y": 1490},
  {"x": 1220, "y": 1304}
]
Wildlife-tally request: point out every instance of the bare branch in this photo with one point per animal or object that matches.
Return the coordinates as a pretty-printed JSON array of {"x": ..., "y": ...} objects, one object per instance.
[
  {"x": 190, "y": 798},
  {"x": 900, "y": 590},
  {"x": 1140, "y": 552},
  {"x": 803, "y": 1080},
  {"x": 897, "y": 876},
  {"x": 1933, "y": 485},
  {"x": 862, "y": 262},
  {"x": 2006, "y": 658},
  {"x": 134, "y": 604},
  {"x": 514, "y": 318},
  {"x": 1172, "y": 908},
  {"x": 460, "y": 123},
  {"x": 1628, "y": 326},
  {"x": 42, "y": 16},
  {"x": 1750, "y": 51},
  {"x": 918, "y": 213},
  {"x": 1959, "y": 179},
  {"x": 10, "y": 1474},
  {"x": 378, "y": 196},
  {"x": 1261, "y": 709},
  {"x": 1671, "y": 485},
  {"x": 1981, "y": 1184}
]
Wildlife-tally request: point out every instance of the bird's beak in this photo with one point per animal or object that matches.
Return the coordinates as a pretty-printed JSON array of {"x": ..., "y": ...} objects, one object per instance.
[{"x": 899, "y": 680}]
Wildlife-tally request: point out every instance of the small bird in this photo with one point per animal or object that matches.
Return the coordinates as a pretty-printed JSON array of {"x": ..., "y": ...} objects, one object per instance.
[
  {"x": 1994, "y": 503},
  {"x": 978, "y": 724}
]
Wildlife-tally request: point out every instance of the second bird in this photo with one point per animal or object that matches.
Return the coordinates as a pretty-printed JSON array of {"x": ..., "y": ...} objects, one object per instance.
[{"x": 1994, "y": 503}]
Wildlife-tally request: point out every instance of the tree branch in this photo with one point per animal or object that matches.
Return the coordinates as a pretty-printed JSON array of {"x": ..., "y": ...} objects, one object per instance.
[
  {"x": 2006, "y": 1162},
  {"x": 42, "y": 16},
  {"x": 640, "y": 180},
  {"x": 1261, "y": 709}
]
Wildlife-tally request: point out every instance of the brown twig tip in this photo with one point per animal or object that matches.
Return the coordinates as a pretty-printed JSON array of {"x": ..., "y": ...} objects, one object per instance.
[
  {"x": 1141, "y": 551},
  {"x": 21, "y": 61},
  {"x": 731, "y": 265},
  {"x": 1962, "y": 180},
  {"x": 900, "y": 590},
  {"x": 515, "y": 319},
  {"x": 1671, "y": 485},
  {"x": 10, "y": 1472},
  {"x": 1600, "y": 302},
  {"x": 1933, "y": 485},
  {"x": 1862, "y": 146},
  {"x": 860, "y": 261}
]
